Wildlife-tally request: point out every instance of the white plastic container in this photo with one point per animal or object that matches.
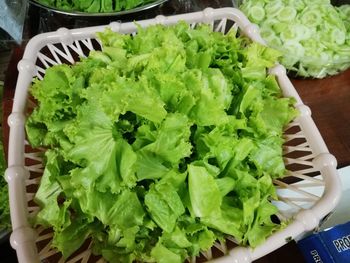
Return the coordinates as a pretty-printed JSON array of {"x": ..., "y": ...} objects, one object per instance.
[{"x": 303, "y": 140}]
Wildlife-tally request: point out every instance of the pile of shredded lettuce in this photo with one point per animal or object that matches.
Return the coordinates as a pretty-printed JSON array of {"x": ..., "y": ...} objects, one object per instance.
[
  {"x": 160, "y": 144},
  {"x": 94, "y": 6},
  {"x": 314, "y": 36}
]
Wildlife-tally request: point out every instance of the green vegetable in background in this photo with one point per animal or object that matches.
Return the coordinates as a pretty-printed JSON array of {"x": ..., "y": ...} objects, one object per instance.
[
  {"x": 313, "y": 36},
  {"x": 160, "y": 144},
  {"x": 95, "y": 6},
  {"x": 5, "y": 220}
]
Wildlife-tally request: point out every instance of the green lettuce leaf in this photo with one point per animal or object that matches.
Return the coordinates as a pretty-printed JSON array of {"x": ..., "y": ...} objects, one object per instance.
[
  {"x": 160, "y": 144},
  {"x": 164, "y": 205},
  {"x": 204, "y": 192}
]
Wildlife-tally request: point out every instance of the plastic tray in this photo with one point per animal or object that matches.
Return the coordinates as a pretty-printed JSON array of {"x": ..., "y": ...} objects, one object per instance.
[{"x": 305, "y": 152}]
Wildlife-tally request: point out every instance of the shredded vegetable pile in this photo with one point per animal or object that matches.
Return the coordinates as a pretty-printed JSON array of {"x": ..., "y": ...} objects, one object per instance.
[
  {"x": 94, "y": 6},
  {"x": 160, "y": 144},
  {"x": 313, "y": 36}
]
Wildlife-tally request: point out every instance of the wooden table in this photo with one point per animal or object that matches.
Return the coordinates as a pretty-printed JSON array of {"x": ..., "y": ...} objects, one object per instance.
[{"x": 329, "y": 99}]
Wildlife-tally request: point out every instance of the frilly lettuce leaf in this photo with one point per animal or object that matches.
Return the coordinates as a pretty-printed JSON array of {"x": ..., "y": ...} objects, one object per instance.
[{"x": 160, "y": 144}]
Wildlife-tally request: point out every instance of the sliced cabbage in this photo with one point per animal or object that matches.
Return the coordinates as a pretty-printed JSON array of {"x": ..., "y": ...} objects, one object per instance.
[{"x": 314, "y": 36}]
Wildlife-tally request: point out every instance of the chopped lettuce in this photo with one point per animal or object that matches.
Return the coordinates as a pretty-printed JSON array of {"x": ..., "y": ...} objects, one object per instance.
[
  {"x": 160, "y": 144},
  {"x": 94, "y": 6}
]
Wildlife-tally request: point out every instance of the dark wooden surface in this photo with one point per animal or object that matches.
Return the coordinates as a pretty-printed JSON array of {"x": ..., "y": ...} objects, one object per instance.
[{"x": 329, "y": 99}]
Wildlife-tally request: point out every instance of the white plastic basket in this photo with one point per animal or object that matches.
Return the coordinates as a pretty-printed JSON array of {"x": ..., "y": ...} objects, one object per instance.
[{"x": 305, "y": 151}]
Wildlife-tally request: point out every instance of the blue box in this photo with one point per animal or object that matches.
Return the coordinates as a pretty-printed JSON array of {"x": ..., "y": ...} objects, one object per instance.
[{"x": 329, "y": 246}]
